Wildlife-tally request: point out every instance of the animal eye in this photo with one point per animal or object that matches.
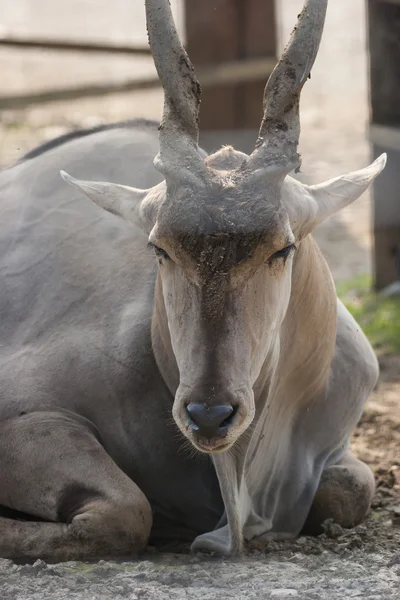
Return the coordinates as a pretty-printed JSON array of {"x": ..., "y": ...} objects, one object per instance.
[
  {"x": 284, "y": 253},
  {"x": 159, "y": 252}
]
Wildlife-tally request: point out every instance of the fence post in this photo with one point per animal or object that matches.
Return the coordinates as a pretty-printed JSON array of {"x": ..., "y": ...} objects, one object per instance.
[
  {"x": 384, "y": 45},
  {"x": 230, "y": 30}
]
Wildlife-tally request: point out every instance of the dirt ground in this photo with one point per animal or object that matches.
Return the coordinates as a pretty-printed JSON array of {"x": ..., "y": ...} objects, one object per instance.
[{"x": 362, "y": 563}]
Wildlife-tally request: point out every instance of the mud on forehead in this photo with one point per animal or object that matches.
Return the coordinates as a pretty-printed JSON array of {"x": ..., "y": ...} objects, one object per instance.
[{"x": 227, "y": 222}]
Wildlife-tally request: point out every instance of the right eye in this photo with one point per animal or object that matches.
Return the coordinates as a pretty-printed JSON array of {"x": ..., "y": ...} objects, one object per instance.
[{"x": 159, "y": 252}]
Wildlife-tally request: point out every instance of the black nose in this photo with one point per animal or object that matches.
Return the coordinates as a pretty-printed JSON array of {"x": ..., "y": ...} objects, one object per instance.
[{"x": 209, "y": 419}]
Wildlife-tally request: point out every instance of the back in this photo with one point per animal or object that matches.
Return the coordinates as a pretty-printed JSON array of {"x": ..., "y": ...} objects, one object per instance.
[{"x": 71, "y": 274}]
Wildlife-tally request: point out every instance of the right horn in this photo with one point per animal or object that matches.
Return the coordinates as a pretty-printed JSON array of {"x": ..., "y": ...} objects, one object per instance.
[{"x": 279, "y": 134}]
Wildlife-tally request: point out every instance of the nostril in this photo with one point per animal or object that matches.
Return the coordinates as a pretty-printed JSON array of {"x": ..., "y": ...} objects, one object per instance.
[
  {"x": 210, "y": 418},
  {"x": 226, "y": 422}
]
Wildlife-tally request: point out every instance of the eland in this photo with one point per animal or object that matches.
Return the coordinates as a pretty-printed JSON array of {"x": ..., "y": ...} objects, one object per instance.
[{"x": 174, "y": 361}]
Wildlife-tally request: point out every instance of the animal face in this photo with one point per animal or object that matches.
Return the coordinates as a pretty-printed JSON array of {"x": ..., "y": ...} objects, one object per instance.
[{"x": 225, "y": 260}]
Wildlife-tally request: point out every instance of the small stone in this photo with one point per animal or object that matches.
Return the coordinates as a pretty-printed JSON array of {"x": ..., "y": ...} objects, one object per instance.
[
  {"x": 301, "y": 541},
  {"x": 355, "y": 542},
  {"x": 34, "y": 569},
  {"x": 332, "y": 529},
  {"x": 389, "y": 523},
  {"x": 39, "y": 564},
  {"x": 394, "y": 561},
  {"x": 284, "y": 593}
]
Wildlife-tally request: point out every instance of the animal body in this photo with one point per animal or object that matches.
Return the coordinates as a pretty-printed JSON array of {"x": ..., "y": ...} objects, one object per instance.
[{"x": 203, "y": 388}]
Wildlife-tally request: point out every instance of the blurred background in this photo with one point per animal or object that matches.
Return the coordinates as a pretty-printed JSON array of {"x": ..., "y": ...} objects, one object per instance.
[
  {"x": 68, "y": 64},
  {"x": 47, "y": 90}
]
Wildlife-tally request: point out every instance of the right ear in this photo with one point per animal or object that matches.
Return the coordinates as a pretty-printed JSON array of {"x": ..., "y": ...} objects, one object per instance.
[{"x": 131, "y": 204}]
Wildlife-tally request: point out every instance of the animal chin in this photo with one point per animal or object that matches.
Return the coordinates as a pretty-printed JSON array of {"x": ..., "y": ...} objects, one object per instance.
[{"x": 211, "y": 446}]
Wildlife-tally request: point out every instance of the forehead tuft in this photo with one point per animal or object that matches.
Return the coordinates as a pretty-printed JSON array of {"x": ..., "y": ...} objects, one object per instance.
[
  {"x": 226, "y": 159},
  {"x": 224, "y": 219},
  {"x": 225, "y": 205}
]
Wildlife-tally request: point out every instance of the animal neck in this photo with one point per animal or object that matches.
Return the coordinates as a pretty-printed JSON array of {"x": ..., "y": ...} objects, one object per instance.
[
  {"x": 308, "y": 333},
  {"x": 296, "y": 374}
]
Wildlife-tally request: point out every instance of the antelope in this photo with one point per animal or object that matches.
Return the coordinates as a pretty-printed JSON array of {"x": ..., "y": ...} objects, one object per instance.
[{"x": 203, "y": 389}]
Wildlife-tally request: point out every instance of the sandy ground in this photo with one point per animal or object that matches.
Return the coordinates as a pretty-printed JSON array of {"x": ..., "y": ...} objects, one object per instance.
[{"x": 364, "y": 563}]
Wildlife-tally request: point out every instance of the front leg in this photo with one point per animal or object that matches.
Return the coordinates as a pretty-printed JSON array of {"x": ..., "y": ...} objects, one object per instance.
[{"x": 82, "y": 506}]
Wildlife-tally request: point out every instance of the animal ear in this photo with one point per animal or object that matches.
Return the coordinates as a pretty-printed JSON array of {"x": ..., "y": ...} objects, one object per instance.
[
  {"x": 328, "y": 198},
  {"x": 333, "y": 195},
  {"x": 131, "y": 204},
  {"x": 117, "y": 199}
]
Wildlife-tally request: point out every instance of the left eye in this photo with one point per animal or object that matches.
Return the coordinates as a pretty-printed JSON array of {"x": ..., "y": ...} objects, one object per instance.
[{"x": 284, "y": 253}]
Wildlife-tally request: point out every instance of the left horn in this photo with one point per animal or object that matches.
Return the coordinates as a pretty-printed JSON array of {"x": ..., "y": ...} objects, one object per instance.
[
  {"x": 179, "y": 130},
  {"x": 280, "y": 128}
]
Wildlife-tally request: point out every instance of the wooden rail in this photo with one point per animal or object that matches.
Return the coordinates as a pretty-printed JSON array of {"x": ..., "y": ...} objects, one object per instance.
[
  {"x": 72, "y": 46},
  {"x": 235, "y": 72}
]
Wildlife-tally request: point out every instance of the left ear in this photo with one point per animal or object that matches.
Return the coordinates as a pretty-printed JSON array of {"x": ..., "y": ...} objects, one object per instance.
[
  {"x": 119, "y": 200},
  {"x": 321, "y": 201}
]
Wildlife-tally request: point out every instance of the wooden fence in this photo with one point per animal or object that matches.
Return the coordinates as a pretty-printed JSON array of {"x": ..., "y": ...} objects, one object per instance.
[
  {"x": 384, "y": 45},
  {"x": 233, "y": 64}
]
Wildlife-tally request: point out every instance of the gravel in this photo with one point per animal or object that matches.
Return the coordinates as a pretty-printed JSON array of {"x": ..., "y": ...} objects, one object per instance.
[{"x": 374, "y": 576}]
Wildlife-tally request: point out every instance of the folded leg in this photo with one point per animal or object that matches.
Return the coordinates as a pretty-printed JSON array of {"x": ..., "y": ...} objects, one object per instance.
[
  {"x": 344, "y": 494},
  {"x": 54, "y": 468}
]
